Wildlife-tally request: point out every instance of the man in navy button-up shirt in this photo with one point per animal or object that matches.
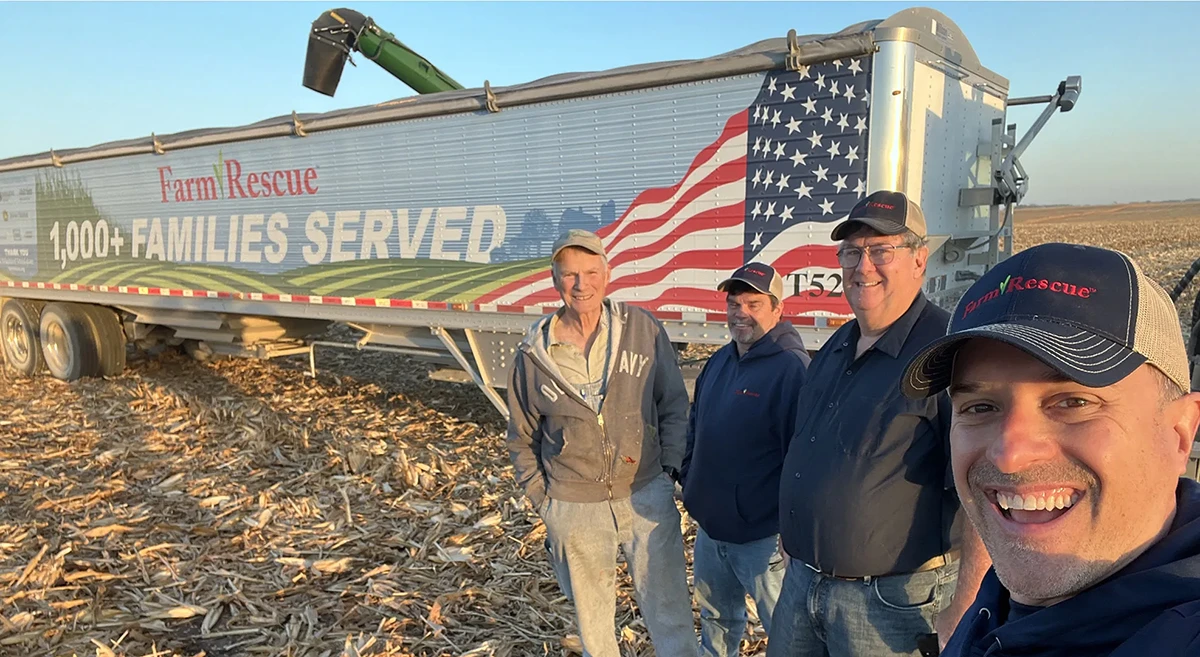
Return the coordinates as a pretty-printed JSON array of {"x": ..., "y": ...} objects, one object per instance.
[{"x": 881, "y": 558}]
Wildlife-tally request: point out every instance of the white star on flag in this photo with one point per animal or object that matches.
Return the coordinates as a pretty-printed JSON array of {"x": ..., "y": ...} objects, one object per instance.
[
  {"x": 843, "y": 123},
  {"x": 793, "y": 126},
  {"x": 826, "y": 207},
  {"x": 798, "y": 158},
  {"x": 803, "y": 191},
  {"x": 783, "y": 182},
  {"x": 786, "y": 214},
  {"x": 757, "y": 209},
  {"x": 815, "y": 139},
  {"x": 852, "y": 154},
  {"x": 840, "y": 184},
  {"x": 770, "y": 211},
  {"x": 835, "y": 149},
  {"x": 771, "y": 87},
  {"x": 789, "y": 92},
  {"x": 860, "y": 188},
  {"x": 854, "y": 66},
  {"x": 822, "y": 172},
  {"x": 810, "y": 106},
  {"x": 828, "y": 115},
  {"x": 779, "y": 151}
]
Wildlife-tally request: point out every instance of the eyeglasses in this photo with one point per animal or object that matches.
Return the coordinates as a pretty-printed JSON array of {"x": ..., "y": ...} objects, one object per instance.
[{"x": 880, "y": 254}]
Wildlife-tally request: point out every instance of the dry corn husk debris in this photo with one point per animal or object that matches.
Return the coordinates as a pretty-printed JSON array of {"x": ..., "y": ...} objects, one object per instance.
[{"x": 240, "y": 508}]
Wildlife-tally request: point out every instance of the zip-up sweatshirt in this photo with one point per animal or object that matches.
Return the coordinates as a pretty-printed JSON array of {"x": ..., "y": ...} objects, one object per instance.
[
  {"x": 743, "y": 415},
  {"x": 560, "y": 447},
  {"x": 1149, "y": 607}
]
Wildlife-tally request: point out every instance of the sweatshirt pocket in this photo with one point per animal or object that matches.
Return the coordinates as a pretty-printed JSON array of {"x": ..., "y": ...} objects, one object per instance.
[
  {"x": 752, "y": 505},
  {"x": 572, "y": 452}
]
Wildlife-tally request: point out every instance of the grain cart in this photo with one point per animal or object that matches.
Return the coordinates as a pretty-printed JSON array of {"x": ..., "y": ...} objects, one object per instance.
[{"x": 426, "y": 222}]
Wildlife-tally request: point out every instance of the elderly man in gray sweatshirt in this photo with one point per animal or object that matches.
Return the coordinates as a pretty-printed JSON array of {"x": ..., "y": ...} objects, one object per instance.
[{"x": 597, "y": 433}]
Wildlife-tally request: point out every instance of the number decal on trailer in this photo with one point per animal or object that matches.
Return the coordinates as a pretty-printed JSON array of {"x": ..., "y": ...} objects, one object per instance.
[{"x": 817, "y": 283}]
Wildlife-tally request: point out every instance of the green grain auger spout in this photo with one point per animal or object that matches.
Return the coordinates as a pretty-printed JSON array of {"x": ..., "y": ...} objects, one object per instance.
[{"x": 337, "y": 32}]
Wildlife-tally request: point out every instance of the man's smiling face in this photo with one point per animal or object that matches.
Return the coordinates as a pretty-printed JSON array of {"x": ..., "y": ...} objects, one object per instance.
[{"x": 1065, "y": 483}]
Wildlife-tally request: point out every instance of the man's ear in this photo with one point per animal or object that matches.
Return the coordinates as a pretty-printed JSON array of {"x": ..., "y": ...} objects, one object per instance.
[
  {"x": 1185, "y": 420},
  {"x": 921, "y": 257}
]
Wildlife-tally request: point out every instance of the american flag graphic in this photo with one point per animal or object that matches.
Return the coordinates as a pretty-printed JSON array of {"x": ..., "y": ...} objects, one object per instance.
[{"x": 769, "y": 189}]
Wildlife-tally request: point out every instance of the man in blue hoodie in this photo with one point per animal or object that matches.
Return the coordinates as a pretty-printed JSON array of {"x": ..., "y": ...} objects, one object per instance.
[
  {"x": 1071, "y": 429},
  {"x": 742, "y": 417}
]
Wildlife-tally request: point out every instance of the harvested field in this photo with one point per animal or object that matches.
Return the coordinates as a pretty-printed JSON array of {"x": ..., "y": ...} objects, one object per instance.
[
  {"x": 240, "y": 508},
  {"x": 243, "y": 508},
  {"x": 1164, "y": 238}
]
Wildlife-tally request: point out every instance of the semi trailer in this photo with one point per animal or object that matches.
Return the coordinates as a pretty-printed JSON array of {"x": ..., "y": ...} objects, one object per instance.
[{"x": 425, "y": 223}]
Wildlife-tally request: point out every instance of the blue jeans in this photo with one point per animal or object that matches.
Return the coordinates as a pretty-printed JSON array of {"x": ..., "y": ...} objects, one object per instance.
[
  {"x": 583, "y": 538},
  {"x": 723, "y": 573},
  {"x": 820, "y": 616}
]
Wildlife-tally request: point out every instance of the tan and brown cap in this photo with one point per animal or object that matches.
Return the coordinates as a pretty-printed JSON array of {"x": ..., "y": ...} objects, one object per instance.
[
  {"x": 581, "y": 238},
  {"x": 890, "y": 213},
  {"x": 759, "y": 276},
  {"x": 1088, "y": 312}
]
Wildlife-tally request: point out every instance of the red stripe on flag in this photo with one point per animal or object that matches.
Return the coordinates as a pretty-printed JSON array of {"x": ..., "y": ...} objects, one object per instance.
[
  {"x": 737, "y": 124},
  {"x": 723, "y": 217},
  {"x": 732, "y": 171}
]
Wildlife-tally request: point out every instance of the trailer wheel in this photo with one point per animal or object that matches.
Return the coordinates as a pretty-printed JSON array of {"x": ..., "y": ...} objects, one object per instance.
[
  {"x": 19, "y": 332},
  {"x": 110, "y": 340},
  {"x": 68, "y": 341}
]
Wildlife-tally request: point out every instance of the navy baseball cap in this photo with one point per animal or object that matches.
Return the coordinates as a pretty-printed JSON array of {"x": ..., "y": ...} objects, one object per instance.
[
  {"x": 1089, "y": 313},
  {"x": 889, "y": 213},
  {"x": 759, "y": 276}
]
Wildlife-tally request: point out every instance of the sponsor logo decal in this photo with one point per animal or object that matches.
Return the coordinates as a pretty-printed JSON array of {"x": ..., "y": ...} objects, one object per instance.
[
  {"x": 230, "y": 180},
  {"x": 1012, "y": 284}
]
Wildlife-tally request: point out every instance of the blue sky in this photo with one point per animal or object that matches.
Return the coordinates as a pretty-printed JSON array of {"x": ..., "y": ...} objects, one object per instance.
[{"x": 78, "y": 74}]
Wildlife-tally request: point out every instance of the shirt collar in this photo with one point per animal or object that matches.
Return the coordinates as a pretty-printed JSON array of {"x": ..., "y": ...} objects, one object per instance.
[
  {"x": 551, "y": 341},
  {"x": 892, "y": 341}
]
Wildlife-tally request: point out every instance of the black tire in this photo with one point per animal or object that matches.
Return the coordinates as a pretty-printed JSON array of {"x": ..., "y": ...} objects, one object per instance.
[
  {"x": 20, "y": 334},
  {"x": 110, "y": 340},
  {"x": 68, "y": 341}
]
